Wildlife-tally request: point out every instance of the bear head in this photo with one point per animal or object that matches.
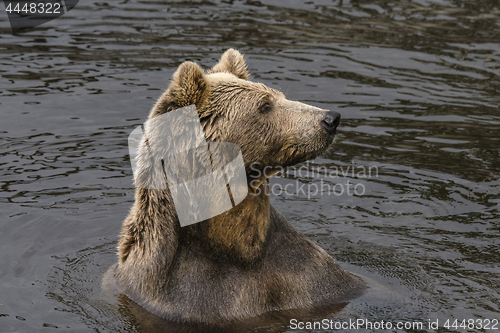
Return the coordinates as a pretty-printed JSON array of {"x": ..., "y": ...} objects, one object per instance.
[{"x": 272, "y": 131}]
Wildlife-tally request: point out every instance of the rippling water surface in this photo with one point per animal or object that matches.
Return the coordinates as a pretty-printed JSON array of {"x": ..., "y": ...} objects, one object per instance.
[{"x": 418, "y": 86}]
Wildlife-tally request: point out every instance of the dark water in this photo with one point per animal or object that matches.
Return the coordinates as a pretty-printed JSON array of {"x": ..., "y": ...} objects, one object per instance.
[{"x": 418, "y": 86}]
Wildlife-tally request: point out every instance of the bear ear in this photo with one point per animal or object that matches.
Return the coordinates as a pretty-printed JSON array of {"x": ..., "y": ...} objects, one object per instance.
[
  {"x": 232, "y": 62},
  {"x": 189, "y": 85}
]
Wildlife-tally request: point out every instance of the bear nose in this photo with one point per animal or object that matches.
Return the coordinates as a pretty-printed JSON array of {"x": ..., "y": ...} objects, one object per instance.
[{"x": 331, "y": 121}]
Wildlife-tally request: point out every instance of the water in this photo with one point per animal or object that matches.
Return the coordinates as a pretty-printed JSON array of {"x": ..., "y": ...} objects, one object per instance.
[{"x": 418, "y": 86}]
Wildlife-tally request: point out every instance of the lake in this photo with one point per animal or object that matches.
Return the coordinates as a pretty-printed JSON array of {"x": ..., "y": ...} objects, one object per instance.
[{"x": 408, "y": 196}]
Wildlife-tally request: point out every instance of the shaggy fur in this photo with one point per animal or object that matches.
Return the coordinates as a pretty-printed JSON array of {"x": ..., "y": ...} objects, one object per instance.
[{"x": 249, "y": 260}]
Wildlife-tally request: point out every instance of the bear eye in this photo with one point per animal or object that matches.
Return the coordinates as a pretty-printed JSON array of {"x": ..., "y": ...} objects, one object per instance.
[{"x": 266, "y": 107}]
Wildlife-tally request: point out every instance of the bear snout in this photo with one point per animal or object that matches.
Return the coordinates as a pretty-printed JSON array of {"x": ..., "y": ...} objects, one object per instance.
[{"x": 331, "y": 121}]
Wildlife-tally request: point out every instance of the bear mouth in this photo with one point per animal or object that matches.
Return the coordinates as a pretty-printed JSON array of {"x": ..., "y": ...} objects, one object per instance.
[
  {"x": 321, "y": 147},
  {"x": 306, "y": 152}
]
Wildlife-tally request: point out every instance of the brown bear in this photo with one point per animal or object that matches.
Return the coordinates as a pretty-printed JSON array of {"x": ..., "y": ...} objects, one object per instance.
[{"x": 249, "y": 260}]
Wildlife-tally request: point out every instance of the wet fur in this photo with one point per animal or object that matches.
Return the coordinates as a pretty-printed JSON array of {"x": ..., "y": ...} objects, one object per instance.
[{"x": 249, "y": 260}]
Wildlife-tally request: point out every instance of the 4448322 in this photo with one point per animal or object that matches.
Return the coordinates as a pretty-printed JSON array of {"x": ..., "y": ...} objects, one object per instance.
[
  {"x": 34, "y": 8},
  {"x": 478, "y": 324}
]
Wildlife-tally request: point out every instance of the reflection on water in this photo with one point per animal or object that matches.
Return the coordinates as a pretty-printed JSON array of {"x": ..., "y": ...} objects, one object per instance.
[{"x": 418, "y": 86}]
